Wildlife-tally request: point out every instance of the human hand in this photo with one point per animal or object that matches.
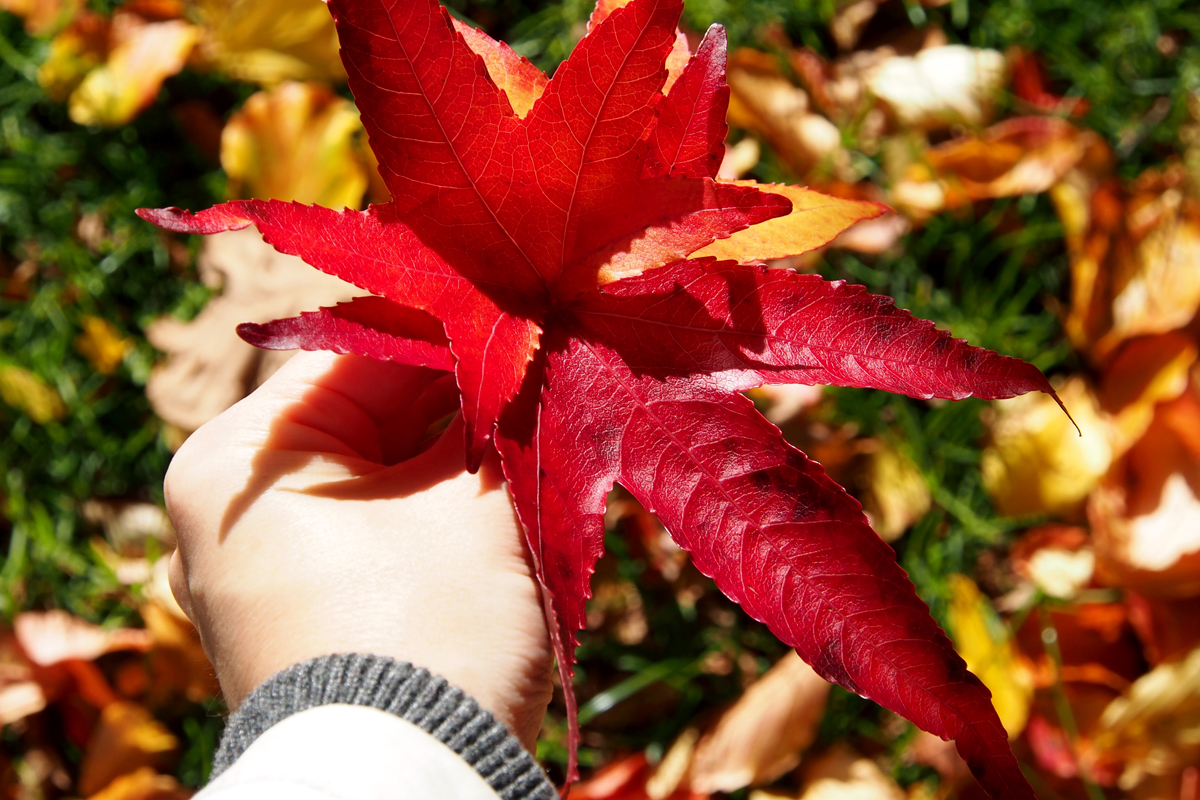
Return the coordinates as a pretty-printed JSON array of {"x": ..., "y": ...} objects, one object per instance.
[{"x": 297, "y": 540}]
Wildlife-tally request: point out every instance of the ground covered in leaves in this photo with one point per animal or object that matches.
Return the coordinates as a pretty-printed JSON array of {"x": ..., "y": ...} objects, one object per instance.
[{"x": 1043, "y": 161}]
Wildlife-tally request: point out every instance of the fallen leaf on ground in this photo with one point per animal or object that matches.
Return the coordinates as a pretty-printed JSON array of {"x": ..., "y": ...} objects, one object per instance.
[
  {"x": 298, "y": 141},
  {"x": 842, "y": 774},
  {"x": 1155, "y": 727},
  {"x": 127, "y": 738},
  {"x": 1157, "y": 288},
  {"x": 78, "y": 49},
  {"x": 270, "y": 41},
  {"x": 983, "y": 642},
  {"x": 941, "y": 86},
  {"x": 23, "y": 390},
  {"x": 102, "y": 344},
  {"x": 764, "y": 733},
  {"x": 142, "y": 55},
  {"x": 1058, "y": 559},
  {"x": 1145, "y": 517},
  {"x": 20, "y": 694},
  {"x": 178, "y": 663},
  {"x": 1146, "y": 371},
  {"x": 208, "y": 367},
  {"x": 1037, "y": 461},
  {"x": 144, "y": 784},
  {"x": 897, "y": 495},
  {"x": 129, "y": 525},
  {"x": 42, "y": 16},
  {"x": 51, "y": 637}
]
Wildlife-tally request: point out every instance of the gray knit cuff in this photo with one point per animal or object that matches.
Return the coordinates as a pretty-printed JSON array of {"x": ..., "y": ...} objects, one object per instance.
[{"x": 411, "y": 693}]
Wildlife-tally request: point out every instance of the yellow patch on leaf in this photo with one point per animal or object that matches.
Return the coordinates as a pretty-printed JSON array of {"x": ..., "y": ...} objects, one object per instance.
[
  {"x": 127, "y": 738},
  {"x": 815, "y": 221}
]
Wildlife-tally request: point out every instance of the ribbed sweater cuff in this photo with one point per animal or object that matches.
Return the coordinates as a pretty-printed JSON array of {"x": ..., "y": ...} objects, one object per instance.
[{"x": 411, "y": 693}]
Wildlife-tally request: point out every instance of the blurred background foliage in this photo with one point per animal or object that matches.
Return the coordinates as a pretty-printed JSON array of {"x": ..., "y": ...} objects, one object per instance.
[{"x": 1043, "y": 158}]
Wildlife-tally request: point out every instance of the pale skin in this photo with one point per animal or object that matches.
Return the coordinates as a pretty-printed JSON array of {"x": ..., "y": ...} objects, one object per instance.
[{"x": 297, "y": 539}]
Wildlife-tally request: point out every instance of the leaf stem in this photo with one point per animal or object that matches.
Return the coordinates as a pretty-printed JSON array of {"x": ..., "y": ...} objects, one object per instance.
[{"x": 1062, "y": 704}]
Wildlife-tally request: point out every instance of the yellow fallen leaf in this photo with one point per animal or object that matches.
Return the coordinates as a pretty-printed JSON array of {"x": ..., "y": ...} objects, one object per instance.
[
  {"x": 816, "y": 220},
  {"x": 1158, "y": 285},
  {"x": 42, "y": 16},
  {"x": 1037, "y": 462},
  {"x": 21, "y": 389},
  {"x": 143, "y": 54},
  {"x": 980, "y": 638},
  {"x": 127, "y": 738},
  {"x": 102, "y": 345},
  {"x": 298, "y": 141},
  {"x": 178, "y": 662},
  {"x": 1145, "y": 372},
  {"x": 897, "y": 495},
  {"x": 842, "y": 774},
  {"x": 77, "y": 50},
  {"x": 763, "y": 734},
  {"x": 269, "y": 41},
  {"x": 144, "y": 784}
]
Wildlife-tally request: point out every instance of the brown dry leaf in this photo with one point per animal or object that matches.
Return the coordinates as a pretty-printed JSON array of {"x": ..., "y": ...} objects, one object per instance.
[
  {"x": 1155, "y": 727},
  {"x": 298, "y": 141},
  {"x": 1157, "y": 287},
  {"x": 897, "y": 495},
  {"x": 763, "y": 100},
  {"x": 269, "y": 41},
  {"x": 102, "y": 344},
  {"x": 42, "y": 16},
  {"x": 983, "y": 642},
  {"x": 142, "y": 55},
  {"x": 144, "y": 784},
  {"x": 127, "y": 738},
  {"x": 1146, "y": 516},
  {"x": 1037, "y": 462},
  {"x": 129, "y": 525},
  {"x": 178, "y": 662},
  {"x": 23, "y": 390},
  {"x": 940, "y": 86},
  {"x": 208, "y": 368},
  {"x": 1166, "y": 626},
  {"x": 763, "y": 734},
  {"x": 51, "y": 637}
]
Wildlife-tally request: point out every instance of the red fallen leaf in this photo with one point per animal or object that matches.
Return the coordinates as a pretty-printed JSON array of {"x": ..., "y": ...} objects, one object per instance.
[
  {"x": 550, "y": 245},
  {"x": 1029, "y": 84}
]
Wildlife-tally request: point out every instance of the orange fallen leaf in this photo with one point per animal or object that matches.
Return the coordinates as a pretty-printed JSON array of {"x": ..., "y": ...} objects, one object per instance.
[
  {"x": 127, "y": 738},
  {"x": 144, "y": 784},
  {"x": 178, "y": 664},
  {"x": 764, "y": 733}
]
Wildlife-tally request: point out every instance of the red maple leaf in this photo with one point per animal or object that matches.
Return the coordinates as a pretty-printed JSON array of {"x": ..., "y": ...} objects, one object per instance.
[{"x": 564, "y": 247}]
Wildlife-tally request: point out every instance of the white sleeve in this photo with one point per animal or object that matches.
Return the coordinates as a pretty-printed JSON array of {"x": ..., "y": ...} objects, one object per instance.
[{"x": 346, "y": 752}]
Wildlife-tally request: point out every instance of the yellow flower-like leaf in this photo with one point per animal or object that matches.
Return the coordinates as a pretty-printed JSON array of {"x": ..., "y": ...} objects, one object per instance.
[
  {"x": 897, "y": 493},
  {"x": 76, "y": 51},
  {"x": 982, "y": 641},
  {"x": 270, "y": 41},
  {"x": 298, "y": 142},
  {"x": 143, "y": 54},
  {"x": 21, "y": 389},
  {"x": 102, "y": 345}
]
